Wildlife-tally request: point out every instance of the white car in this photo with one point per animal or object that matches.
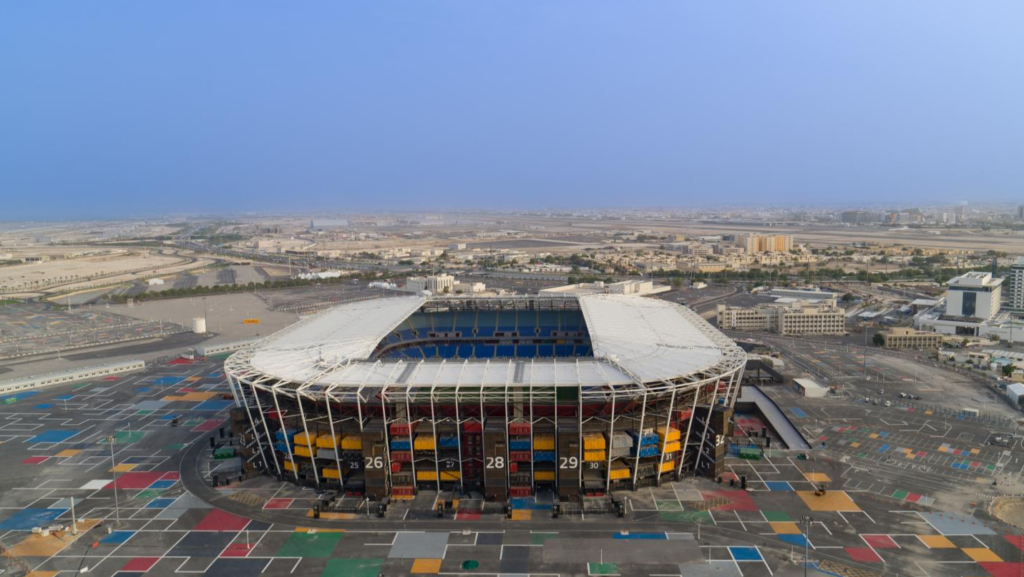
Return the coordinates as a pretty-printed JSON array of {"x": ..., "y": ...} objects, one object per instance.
[{"x": 888, "y": 403}]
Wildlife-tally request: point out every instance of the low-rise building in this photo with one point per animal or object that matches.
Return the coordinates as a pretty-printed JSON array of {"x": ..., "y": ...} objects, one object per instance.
[
  {"x": 785, "y": 317},
  {"x": 908, "y": 338}
]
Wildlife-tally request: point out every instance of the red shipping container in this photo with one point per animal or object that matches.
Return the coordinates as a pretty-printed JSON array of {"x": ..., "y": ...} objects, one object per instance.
[
  {"x": 472, "y": 427},
  {"x": 513, "y": 467},
  {"x": 684, "y": 415},
  {"x": 401, "y": 456},
  {"x": 519, "y": 428},
  {"x": 520, "y": 491},
  {"x": 402, "y": 429},
  {"x": 396, "y": 467},
  {"x": 523, "y": 456}
]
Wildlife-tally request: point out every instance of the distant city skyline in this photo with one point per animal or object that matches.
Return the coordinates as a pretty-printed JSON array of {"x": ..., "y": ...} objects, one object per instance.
[{"x": 120, "y": 109}]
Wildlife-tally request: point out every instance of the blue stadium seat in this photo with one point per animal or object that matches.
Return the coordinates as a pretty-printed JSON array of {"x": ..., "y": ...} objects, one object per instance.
[
  {"x": 465, "y": 351},
  {"x": 505, "y": 351}
]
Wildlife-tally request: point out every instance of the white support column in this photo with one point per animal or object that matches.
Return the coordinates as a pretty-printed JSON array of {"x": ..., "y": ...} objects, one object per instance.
[
  {"x": 252, "y": 423},
  {"x": 270, "y": 439},
  {"x": 284, "y": 429},
  {"x": 640, "y": 439},
  {"x": 689, "y": 428},
  {"x": 335, "y": 439},
  {"x": 433, "y": 427},
  {"x": 579, "y": 427},
  {"x": 707, "y": 425},
  {"x": 611, "y": 441},
  {"x": 305, "y": 428},
  {"x": 668, "y": 428}
]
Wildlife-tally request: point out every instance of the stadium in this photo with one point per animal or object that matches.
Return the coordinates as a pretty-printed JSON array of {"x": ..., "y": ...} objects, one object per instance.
[{"x": 497, "y": 396}]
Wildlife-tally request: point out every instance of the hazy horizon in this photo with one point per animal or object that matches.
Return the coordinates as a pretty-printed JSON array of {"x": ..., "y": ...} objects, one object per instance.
[{"x": 127, "y": 109}]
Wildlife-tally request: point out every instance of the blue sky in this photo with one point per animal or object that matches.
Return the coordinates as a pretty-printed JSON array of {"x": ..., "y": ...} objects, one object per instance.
[{"x": 140, "y": 108}]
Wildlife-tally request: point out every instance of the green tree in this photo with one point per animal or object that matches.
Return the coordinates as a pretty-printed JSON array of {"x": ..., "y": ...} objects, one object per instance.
[{"x": 878, "y": 339}]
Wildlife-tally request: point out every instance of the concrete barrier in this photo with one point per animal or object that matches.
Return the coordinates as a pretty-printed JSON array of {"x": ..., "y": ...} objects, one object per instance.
[{"x": 70, "y": 376}]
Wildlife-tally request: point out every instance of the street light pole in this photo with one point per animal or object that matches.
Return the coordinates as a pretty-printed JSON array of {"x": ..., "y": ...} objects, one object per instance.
[
  {"x": 113, "y": 468},
  {"x": 807, "y": 540}
]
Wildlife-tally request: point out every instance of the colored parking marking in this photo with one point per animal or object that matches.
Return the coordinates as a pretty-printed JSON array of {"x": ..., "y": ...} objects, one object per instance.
[
  {"x": 830, "y": 501},
  {"x": 161, "y": 503},
  {"x": 936, "y": 542},
  {"x": 982, "y": 555},
  {"x": 278, "y": 503},
  {"x": 602, "y": 569},
  {"x": 67, "y": 453},
  {"x": 217, "y": 520},
  {"x": 818, "y": 477},
  {"x": 798, "y": 539},
  {"x": 798, "y": 412},
  {"x": 317, "y": 544},
  {"x": 785, "y": 528},
  {"x": 162, "y": 484},
  {"x": 778, "y": 486},
  {"x": 643, "y": 536},
  {"x": 213, "y": 405},
  {"x": 52, "y": 437},
  {"x": 745, "y": 554},
  {"x": 140, "y": 564},
  {"x": 863, "y": 554},
  {"x": 117, "y": 537},
  {"x": 209, "y": 425},
  {"x": 26, "y": 519},
  {"x": 426, "y": 567},
  {"x": 34, "y": 460},
  {"x": 123, "y": 468},
  {"x": 138, "y": 480},
  {"x": 776, "y": 516}
]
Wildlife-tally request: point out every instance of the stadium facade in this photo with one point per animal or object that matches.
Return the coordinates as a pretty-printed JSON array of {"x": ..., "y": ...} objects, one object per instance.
[{"x": 503, "y": 396}]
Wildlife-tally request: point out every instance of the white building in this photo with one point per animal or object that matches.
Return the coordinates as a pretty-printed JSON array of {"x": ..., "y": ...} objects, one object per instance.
[
  {"x": 439, "y": 284},
  {"x": 810, "y": 388},
  {"x": 788, "y": 317},
  {"x": 974, "y": 294},
  {"x": 155, "y": 281},
  {"x": 1016, "y": 302},
  {"x": 627, "y": 287}
]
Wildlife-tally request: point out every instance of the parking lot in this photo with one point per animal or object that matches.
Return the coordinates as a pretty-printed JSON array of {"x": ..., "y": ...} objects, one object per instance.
[{"x": 31, "y": 328}]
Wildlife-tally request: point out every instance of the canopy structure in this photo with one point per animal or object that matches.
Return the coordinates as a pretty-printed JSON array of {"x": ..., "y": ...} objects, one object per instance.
[{"x": 636, "y": 341}]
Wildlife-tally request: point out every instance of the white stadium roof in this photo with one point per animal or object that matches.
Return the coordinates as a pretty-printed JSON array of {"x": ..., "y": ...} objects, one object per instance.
[{"x": 634, "y": 340}]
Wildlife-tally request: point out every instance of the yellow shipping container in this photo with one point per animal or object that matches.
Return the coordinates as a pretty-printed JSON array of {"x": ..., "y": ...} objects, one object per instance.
[
  {"x": 594, "y": 442},
  {"x": 544, "y": 443},
  {"x": 450, "y": 475},
  {"x": 673, "y": 434},
  {"x": 595, "y": 455},
  {"x": 618, "y": 471},
  {"x": 673, "y": 447},
  {"x": 544, "y": 475},
  {"x": 331, "y": 474},
  {"x": 304, "y": 439},
  {"x": 327, "y": 441},
  {"x": 351, "y": 443},
  {"x": 423, "y": 443},
  {"x": 303, "y": 451},
  {"x": 668, "y": 466},
  {"x": 289, "y": 466},
  {"x": 426, "y": 475}
]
